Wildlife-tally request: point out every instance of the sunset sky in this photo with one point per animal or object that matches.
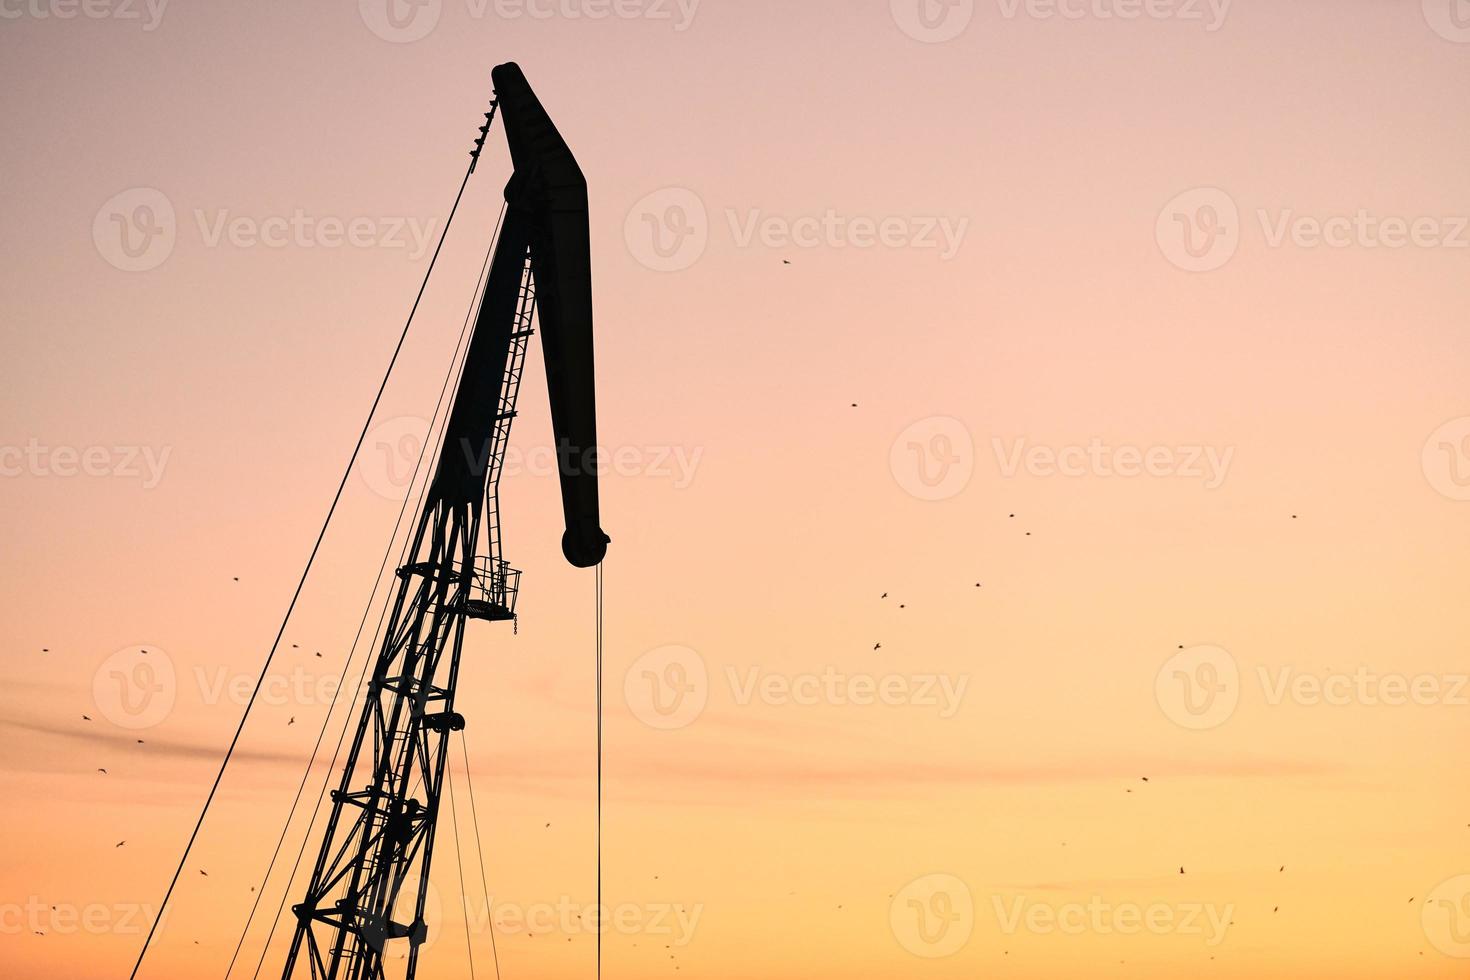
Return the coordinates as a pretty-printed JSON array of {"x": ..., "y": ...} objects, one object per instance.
[{"x": 1120, "y": 343}]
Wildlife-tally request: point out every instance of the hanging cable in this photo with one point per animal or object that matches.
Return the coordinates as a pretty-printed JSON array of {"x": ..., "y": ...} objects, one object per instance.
[
  {"x": 331, "y": 510},
  {"x": 599, "y": 771}
]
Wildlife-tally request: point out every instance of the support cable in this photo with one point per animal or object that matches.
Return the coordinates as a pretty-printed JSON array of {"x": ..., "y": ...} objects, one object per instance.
[
  {"x": 464, "y": 898},
  {"x": 331, "y": 510},
  {"x": 480, "y": 847},
  {"x": 424, "y": 453},
  {"x": 352, "y": 650}
]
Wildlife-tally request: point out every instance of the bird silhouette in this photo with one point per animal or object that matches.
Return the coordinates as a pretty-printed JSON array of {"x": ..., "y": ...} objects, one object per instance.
[
  {"x": 877, "y": 646},
  {"x": 103, "y": 771},
  {"x": 118, "y": 844}
]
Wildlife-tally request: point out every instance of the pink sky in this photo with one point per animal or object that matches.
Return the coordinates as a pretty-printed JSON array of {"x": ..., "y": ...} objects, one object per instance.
[{"x": 1235, "y": 457}]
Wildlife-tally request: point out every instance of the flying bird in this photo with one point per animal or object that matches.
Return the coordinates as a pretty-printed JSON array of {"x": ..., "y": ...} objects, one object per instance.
[
  {"x": 103, "y": 771},
  {"x": 118, "y": 844}
]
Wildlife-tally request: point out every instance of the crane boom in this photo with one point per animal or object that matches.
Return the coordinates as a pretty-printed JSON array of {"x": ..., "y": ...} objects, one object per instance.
[{"x": 369, "y": 884}]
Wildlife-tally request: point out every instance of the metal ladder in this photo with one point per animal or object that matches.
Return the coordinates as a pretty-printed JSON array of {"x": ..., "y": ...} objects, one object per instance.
[{"x": 498, "y": 569}]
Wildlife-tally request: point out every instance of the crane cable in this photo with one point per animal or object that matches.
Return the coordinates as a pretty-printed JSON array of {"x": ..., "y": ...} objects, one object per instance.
[
  {"x": 356, "y": 640},
  {"x": 331, "y": 510},
  {"x": 599, "y": 771}
]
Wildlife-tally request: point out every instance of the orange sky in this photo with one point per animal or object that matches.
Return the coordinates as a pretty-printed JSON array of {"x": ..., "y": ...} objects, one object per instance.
[{"x": 1155, "y": 329}]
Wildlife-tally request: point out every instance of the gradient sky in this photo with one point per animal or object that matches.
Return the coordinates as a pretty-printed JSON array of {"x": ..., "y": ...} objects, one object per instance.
[{"x": 1132, "y": 266}]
